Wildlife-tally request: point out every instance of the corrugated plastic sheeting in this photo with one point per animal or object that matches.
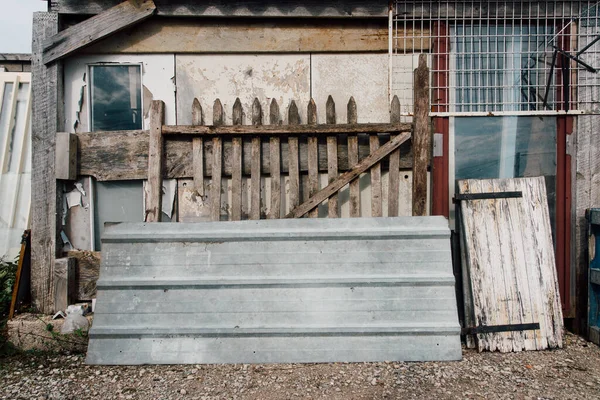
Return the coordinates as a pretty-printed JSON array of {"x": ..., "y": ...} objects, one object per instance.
[
  {"x": 304, "y": 290},
  {"x": 15, "y": 160},
  {"x": 510, "y": 269}
]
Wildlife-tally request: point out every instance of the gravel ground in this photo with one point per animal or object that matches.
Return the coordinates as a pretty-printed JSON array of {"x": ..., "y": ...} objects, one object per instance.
[{"x": 571, "y": 373}]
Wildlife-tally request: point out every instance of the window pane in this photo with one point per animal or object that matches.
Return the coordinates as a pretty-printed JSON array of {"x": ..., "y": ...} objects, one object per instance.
[
  {"x": 116, "y": 97},
  {"x": 507, "y": 147}
]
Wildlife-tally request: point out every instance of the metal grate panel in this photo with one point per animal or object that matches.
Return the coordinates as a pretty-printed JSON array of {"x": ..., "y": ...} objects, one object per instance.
[{"x": 500, "y": 57}]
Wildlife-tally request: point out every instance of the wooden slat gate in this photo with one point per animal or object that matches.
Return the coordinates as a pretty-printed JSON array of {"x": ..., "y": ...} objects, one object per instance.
[{"x": 383, "y": 141}]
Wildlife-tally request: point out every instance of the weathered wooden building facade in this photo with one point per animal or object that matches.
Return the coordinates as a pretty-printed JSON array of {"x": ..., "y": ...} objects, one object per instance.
[{"x": 513, "y": 89}]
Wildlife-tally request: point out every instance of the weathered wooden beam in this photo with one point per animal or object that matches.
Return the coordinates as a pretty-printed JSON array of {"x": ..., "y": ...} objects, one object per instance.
[
  {"x": 275, "y": 156},
  {"x": 198, "y": 149},
  {"x": 15, "y": 57},
  {"x": 332, "y": 157},
  {"x": 217, "y": 163},
  {"x": 394, "y": 175},
  {"x": 376, "y": 186},
  {"x": 421, "y": 138},
  {"x": 312, "y": 129},
  {"x": 87, "y": 273},
  {"x": 257, "y": 117},
  {"x": 123, "y": 155},
  {"x": 236, "y": 165},
  {"x": 347, "y": 177},
  {"x": 64, "y": 282},
  {"x": 155, "y": 161},
  {"x": 66, "y": 156},
  {"x": 46, "y": 200},
  {"x": 353, "y": 160},
  {"x": 114, "y": 19},
  {"x": 293, "y": 161},
  {"x": 313, "y": 157},
  {"x": 248, "y": 8},
  {"x": 210, "y": 36}
]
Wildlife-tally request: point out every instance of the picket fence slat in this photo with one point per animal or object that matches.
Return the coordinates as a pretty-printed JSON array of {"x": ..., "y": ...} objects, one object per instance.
[
  {"x": 215, "y": 193},
  {"x": 229, "y": 152},
  {"x": 313, "y": 157}
]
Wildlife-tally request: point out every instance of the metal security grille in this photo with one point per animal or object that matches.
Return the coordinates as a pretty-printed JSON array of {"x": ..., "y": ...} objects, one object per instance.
[{"x": 500, "y": 57}]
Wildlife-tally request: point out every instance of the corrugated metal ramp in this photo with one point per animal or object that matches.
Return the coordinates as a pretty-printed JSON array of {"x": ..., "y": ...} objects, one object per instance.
[{"x": 304, "y": 290}]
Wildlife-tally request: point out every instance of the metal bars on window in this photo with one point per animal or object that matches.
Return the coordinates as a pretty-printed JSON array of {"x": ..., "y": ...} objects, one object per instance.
[{"x": 499, "y": 57}]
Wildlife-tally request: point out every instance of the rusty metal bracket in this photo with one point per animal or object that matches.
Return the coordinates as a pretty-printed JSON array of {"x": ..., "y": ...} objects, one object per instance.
[
  {"x": 486, "y": 196},
  {"x": 500, "y": 328}
]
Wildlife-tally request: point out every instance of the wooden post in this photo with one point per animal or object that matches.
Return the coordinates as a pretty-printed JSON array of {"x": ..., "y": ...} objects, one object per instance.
[
  {"x": 215, "y": 188},
  {"x": 376, "y": 192},
  {"x": 421, "y": 138},
  {"x": 275, "y": 155},
  {"x": 46, "y": 200},
  {"x": 332, "y": 157},
  {"x": 394, "y": 175},
  {"x": 66, "y": 156},
  {"x": 64, "y": 281},
  {"x": 293, "y": 162},
  {"x": 236, "y": 164},
  {"x": 313, "y": 157},
  {"x": 353, "y": 160},
  {"x": 255, "y": 163},
  {"x": 198, "y": 149},
  {"x": 155, "y": 162}
]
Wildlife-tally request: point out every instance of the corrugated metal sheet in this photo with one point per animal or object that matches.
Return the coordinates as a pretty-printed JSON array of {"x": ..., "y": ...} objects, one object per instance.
[{"x": 305, "y": 290}]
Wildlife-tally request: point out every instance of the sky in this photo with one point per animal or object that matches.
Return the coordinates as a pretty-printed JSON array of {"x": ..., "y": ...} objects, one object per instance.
[{"x": 15, "y": 24}]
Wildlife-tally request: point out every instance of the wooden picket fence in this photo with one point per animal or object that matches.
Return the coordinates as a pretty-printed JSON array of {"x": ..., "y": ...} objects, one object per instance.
[{"x": 344, "y": 136}]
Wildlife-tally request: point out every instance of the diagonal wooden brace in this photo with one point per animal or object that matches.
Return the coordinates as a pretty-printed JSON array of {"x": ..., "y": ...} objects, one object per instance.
[
  {"x": 115, "y": 19},
  {"x": 349, "y": 176}
]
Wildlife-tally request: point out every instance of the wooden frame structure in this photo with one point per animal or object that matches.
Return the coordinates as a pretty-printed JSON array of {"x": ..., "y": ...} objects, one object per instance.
[
  {"x": 342, "y": 137},
  {"x": 159, "y": 147}
]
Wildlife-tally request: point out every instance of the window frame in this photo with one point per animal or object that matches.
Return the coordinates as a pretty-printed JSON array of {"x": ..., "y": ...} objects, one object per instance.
[{"x": 109, "y": 64}]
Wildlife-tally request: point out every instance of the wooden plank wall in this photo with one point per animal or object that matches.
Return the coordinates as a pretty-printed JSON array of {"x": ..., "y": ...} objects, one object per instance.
[{"x": 382, "y": 139}]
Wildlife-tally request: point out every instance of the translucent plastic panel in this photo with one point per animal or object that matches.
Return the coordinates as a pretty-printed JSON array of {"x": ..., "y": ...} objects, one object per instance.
[{"x": 18, "y": 135}]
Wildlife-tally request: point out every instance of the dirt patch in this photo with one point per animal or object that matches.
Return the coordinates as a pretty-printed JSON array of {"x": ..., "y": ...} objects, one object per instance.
[{"x": 573, "y": 372}]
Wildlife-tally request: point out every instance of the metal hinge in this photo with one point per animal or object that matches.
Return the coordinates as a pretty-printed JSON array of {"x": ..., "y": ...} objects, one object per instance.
[
  {"x": 500, "y": 328},
  {"x": 486, "y": 196}
]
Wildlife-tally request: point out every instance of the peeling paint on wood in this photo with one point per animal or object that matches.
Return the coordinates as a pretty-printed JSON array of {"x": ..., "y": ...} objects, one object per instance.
[
  {"x": 510, "y": 262},
  {"x": 157, "y": 71}
]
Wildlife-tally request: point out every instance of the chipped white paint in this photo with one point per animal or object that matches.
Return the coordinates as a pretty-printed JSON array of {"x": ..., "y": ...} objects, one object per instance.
[
  {"x": 510, "y": 262},
  {"x": 78, "y": 226},
  {"x": 283, "y": 77},
  {"x": 363, "y": 76},
  {"x": 157, "y": 73}
]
